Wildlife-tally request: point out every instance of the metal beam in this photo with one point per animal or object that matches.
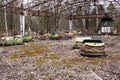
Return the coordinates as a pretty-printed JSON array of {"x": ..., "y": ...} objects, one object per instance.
[
  {"x": 8, "y": 3},
  {"x": 85, "y": 16}
]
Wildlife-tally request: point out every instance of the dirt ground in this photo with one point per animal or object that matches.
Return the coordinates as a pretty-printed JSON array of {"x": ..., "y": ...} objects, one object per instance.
[{"x": 56, "y": 60}]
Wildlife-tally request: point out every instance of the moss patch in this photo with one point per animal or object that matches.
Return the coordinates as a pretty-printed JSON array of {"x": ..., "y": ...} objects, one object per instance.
[
  {"x": 53, "y": 56},
  {"x": 64, "y": 62},
  {"x": 30, "y": 51},
  {"x": 13, "y": 56},
  {"x": 82, "y": 67},
  {"x": 40, "y": 61}
]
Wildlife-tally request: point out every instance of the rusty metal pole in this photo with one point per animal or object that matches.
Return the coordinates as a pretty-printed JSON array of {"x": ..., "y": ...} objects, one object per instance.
[
  {"x": 5, "y": 16},
  {"x": 55, "y": 16},
  {"x": 22, "y": 18}
]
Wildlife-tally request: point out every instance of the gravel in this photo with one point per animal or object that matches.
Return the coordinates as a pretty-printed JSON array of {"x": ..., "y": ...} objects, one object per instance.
[{"x": 59, "y": 62}]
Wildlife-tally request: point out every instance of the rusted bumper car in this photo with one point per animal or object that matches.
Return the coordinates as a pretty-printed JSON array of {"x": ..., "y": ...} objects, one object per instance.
[
  {"x": 78, "y": 42},
  {"x": 69, "y": 35},
  {"x": 54, "y": 36},
  {"x": 45, "y": 36},
  {"x": 18, "y": 40},
  {"x": 93, "y": 48},
  {"x": 27, "y": 38},
  {"x": 11, "y": 40}
]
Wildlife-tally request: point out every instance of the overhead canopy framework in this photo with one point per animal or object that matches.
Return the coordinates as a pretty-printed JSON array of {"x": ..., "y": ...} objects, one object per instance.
[
  {"x": 58, "y": 7},
  {"x": 49, "y": 14}
]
